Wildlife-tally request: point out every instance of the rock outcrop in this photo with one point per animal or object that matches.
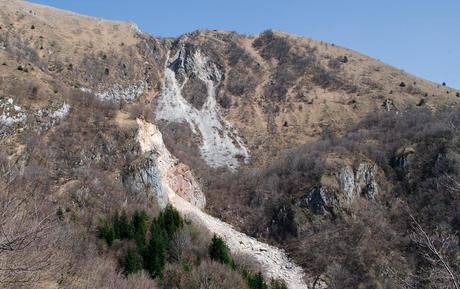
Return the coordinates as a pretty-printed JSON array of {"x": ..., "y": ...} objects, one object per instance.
[
  {"x": 143, "y": 176},
  {"x": 164, "y": 169},
  {"x": 338, "y": 189},
  {"x": 118, "y": 93},
  {"x": 404, "y": 157},
  {"x": 183, "y": 183},
  {"x": 318, "y": 201},
  {"x": 15, "y": 118},
  {"x": 365, "y": 180},
  {"x": 361, "y": 181}
]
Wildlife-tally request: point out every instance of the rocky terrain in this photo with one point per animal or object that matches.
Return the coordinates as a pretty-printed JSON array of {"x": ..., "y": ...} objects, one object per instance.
[
  {"x": 185, "y": 195},
  {"x": 326, "y": 167}
]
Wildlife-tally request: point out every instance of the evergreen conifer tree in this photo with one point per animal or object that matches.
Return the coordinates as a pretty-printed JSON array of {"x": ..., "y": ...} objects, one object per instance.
[
  {"x": 155, "y": 253},
  {"x": 106, "y": 232},
  {"x": 170, "y": 220},
  {"x": 116, "y": 225},
  {"x": 256, "y": 281},
  {"x": 132, "y": 262},
  {"x": 139, "y": 225},
  {"x": 124, "y": 227},
  {"x": 219, "y": 251}
]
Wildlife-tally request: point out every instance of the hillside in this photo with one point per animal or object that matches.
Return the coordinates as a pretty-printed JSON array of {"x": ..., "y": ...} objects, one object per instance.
[{"x": 335, "y": 162}]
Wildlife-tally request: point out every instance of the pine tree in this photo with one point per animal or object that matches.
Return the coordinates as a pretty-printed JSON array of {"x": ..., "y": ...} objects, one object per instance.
[
  {"x": 219, "y": 251},
  {"x": 106, "y": 232},
  {"x": 132, "y": 262},
  {"x": 170, "y": 220},
  {"x": 139, "y": 225},
  {"x": 125, "y": 229},
  {"x": 116, "y": 225},
  {"x": 155, "y": 254},
  {"x": 256, "y": 281}
]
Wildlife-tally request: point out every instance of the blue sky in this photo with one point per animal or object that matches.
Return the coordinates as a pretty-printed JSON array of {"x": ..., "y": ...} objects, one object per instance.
[{"x": 419, "y": 36}]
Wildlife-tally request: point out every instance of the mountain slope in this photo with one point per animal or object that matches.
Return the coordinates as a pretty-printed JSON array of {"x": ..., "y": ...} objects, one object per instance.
[{"x": 288, "y": 139}]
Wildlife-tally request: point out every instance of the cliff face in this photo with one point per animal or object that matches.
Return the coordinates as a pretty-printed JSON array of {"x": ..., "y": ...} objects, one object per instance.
[
  {"x": 272, "y": 133},
  {"x": 169, "y": 174}
]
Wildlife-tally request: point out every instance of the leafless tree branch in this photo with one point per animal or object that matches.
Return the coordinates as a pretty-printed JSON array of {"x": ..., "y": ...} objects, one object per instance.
[{"x": 434, "y": 251}]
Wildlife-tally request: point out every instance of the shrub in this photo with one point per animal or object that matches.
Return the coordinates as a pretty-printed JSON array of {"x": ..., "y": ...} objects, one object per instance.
[
  {"x": 212, "y": 275},
  {"x": 457, "y": 94},
  {"x": 276, "y": 90},
  {"x": 60, "y": 214},
  {"x": 236, "y": 54},
  {"x": 172, "y": 276},
  {"x": 421, "y": 102},
  {"x": 195, "y": 92},
  {"x": 225, "y": 101},
  {"x": 272, "y": 45},
  {"x": 240, "y": 82},
  {"x": 283, "y": 222},
  {"x": 34, "y": 90},
  {"x": 179, "y": 244},
  {"x": 219, "y": 251},
  {"x": 278, "y": 284},
  {"x": 326, "y": 79},
  {"x": 336, "y": 63},
  {"x": 402, "y": 84}
]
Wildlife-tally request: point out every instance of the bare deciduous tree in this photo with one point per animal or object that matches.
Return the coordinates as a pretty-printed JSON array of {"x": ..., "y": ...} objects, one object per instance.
[
  {"x": 25, "y": 234},
  {"x": 435, "y": 250},
  {"x": 180, "y": 242}
]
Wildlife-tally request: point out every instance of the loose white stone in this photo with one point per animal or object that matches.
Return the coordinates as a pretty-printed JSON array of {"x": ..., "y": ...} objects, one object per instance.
[{"x": 221, "y": 146}]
